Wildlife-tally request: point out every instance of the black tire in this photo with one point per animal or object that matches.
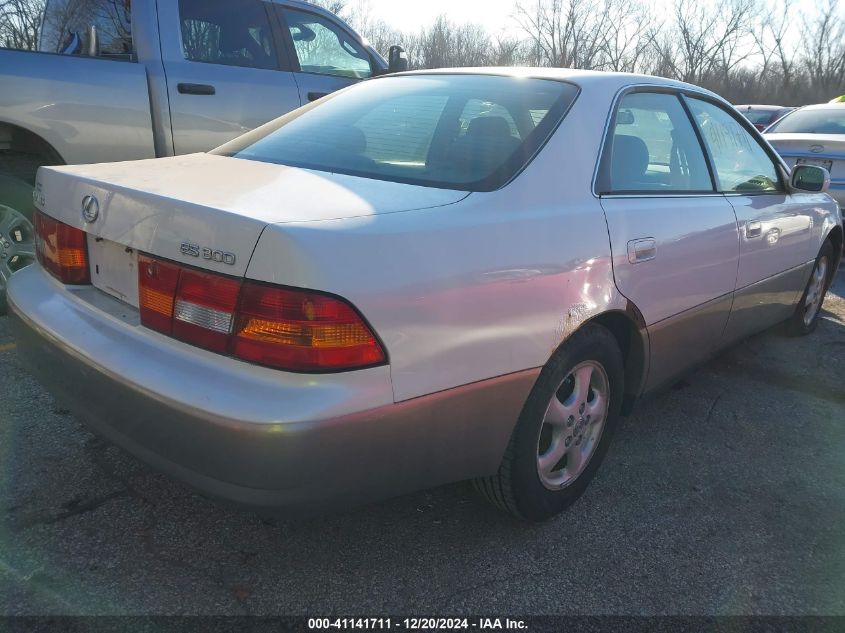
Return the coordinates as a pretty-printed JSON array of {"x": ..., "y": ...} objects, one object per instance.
[
  {"x": 517, "y": 487},
  {"x": 15, "y": 201},
  {"x": 798, "y": 324},
  {"x": 16, "y": 193}
]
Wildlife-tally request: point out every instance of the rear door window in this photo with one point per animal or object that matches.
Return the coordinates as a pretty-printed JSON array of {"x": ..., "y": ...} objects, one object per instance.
[
  {"x": 227, "y": 33},
  {"x": 68, "y": 25},
  {"x": 654, "y": 148}
]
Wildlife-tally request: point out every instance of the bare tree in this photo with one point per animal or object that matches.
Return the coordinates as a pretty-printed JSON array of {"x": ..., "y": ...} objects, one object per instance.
[
  {"x": 563, "y": 33},
  {"x": 712, "y": 39},
  {"x": 445, "y": 44},
  {"x": 823, "y": 54},
  {"x": 339, "y": 7},
  {"x": 629, "y": 37},
  {"x": 20, "y": 23},
  {"x": 776, "y": 57},
  {"x": 592, "y": 34},
  {"x": 379, "y": 33}
]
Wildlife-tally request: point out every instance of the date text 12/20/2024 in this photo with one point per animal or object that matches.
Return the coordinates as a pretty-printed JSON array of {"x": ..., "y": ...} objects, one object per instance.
[{"x": 416, "y": 624}]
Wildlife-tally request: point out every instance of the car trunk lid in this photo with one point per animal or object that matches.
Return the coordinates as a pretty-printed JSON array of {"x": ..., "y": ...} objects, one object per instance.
[
  {"x": 826, "y": 150},
  {"x": 204, "y": 210}
]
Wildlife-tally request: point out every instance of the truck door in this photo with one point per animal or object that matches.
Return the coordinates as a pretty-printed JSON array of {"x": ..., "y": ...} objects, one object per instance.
[
  {"x": 227, "y": 70},
  {"x": 325, "y": 55}
]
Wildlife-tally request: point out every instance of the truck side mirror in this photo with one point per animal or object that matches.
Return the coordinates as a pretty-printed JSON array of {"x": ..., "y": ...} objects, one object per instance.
[{"x": 397, "y": 60}]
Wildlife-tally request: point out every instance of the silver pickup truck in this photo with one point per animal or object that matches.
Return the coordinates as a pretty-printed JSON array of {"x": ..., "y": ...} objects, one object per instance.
[{"x": 118, "y": 80}]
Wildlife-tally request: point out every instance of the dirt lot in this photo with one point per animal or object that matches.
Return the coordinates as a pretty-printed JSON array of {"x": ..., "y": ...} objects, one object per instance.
[{"x": 725, "y": 495}]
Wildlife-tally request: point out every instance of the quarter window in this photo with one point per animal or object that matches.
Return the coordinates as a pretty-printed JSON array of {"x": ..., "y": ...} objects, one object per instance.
[
  {"x": 654, "y": 148},
  {"x": 324, "y": 48},
  {"x": 740, "y": 162},
  {"x": 227, "y": 33}
]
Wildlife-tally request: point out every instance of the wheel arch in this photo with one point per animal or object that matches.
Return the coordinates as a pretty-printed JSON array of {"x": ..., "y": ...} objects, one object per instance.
[
  {"x": 15, "y": 139},
  {"x": 836, "y": 238},
  {"x": 628, "y": 328}
]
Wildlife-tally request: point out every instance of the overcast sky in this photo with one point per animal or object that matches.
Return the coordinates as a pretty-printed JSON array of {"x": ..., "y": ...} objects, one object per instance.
[{"x": 409, "y": 15}]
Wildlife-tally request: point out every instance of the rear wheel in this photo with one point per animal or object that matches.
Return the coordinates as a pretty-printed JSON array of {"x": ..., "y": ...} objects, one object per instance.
[
  {"x": 564, "y": 429},
  {"x": 17, "y": 248},
  {"x": 805, "y": 319}
]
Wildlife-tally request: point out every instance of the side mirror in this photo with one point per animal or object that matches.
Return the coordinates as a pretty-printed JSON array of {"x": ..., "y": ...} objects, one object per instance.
[
  {"x": 397, "y": 60},
  {"x": 809, "y": 179}
]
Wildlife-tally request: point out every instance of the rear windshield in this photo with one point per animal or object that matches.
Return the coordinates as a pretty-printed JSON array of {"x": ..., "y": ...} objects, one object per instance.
[
  {"x": 829, "y": 121},
  {"x": 466, "y": 132},
  {"x": 758, "y": 117}
]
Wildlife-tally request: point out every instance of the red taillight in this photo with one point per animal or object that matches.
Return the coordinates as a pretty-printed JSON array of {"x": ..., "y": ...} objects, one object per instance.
[
  {"x": 157, "y": 281},
  {"x": 204, "y": 309},
  {"x": 295, "y": 330},
  {"x": 301, "y": 330},
  {"x": 62, "y": 250}
]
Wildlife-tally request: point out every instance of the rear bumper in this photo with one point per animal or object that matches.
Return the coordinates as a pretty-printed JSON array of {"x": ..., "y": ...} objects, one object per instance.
[{"x": 248, "y": 434}]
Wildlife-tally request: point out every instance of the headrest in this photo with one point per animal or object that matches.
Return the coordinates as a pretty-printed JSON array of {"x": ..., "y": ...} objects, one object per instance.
[
  {"x": 489, "y": 126},
  {"x": 234, "y": 39},
  {"x": 629, "y": 162}
]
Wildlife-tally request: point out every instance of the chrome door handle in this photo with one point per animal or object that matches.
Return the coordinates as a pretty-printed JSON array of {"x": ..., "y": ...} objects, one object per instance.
[
  {"x": 753, "y": 229},
  {"x": 643, "y": 250}
]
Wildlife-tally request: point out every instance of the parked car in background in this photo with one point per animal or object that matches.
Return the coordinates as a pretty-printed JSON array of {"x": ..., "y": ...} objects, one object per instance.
[
  {"x": 762, "y": 116},
  {"x": 164, "y": 77},
  {"x": 814, "y": 135},
  {"x": 425, "y": 278}
]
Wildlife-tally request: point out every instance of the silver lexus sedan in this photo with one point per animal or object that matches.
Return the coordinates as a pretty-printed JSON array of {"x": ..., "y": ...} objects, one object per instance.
[{"x": 429, "y": 277}]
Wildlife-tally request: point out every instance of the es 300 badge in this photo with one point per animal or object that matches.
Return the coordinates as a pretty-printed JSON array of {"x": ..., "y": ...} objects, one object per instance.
[{"x": 195, "y": 250}]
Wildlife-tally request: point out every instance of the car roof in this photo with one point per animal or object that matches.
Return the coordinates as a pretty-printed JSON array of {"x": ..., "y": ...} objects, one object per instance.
[
  {"x": 824, "y": 106},
  {"x": 582, "y": 78}
]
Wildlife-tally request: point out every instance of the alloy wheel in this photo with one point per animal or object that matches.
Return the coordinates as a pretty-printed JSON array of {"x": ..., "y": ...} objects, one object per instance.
[
  {"x": 573, "y": 425},
  {"x": 815, "y": 291},
  {"x": 17, "y": 246}
]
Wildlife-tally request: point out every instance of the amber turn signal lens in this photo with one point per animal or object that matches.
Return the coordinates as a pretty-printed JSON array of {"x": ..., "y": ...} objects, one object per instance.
[{"x": 62, "y": 250}]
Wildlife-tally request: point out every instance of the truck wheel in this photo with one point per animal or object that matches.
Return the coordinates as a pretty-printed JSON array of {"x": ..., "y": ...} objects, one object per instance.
[
  {"x": 564, "y": 429},
  {"x": 17, "y": 245}
]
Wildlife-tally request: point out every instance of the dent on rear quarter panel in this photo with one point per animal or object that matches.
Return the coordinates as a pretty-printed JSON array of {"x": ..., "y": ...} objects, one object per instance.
[{"x": 482, "y": 288}]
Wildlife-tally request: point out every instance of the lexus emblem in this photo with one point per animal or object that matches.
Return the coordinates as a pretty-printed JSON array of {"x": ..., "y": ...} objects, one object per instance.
[
  {"x": 90, "y": 209},
  {"x": 816, "y": 149}
]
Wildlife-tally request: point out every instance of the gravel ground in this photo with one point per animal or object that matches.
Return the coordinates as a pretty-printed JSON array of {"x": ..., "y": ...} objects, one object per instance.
[{"x": 725, "y": 495}]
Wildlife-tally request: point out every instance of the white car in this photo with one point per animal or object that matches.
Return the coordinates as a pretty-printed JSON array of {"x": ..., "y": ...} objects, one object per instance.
[
  {"x": 425, "y": 278},
  {"x": 814, "y": 135}
]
